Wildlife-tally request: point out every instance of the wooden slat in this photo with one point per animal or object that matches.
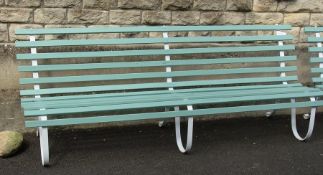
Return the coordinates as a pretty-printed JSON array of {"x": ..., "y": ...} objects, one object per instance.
[
  {"x": 170, "y": 114},
  {"x": 152, "y": 52},
  {"x": 169, "y": 103},
  {"x": 88, "y": 66},
  {"x": 186, "y": 73},
  {"x": 156, "y": 85},
  {"x": 135, "y": 29},
  {"x": 89, "y": 42}
]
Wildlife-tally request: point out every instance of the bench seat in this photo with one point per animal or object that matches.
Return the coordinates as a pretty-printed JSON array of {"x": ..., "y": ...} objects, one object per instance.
[
  {"x": 124, "y": 101},
  {"x": 86, "y": 81}
]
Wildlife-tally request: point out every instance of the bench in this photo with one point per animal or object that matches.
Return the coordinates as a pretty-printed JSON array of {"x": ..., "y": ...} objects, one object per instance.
[{"x": 158, "y": 72}]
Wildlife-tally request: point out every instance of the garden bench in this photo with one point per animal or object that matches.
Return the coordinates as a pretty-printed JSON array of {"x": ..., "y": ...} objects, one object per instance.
[{"x": 229, "y": 69}]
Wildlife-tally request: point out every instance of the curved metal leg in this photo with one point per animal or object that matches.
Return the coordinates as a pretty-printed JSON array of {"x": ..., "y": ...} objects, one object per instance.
[
  {"x": 310, "y": 126},
  {"x": 189, "y": 139},
  {"x": 44, "y": 148}
]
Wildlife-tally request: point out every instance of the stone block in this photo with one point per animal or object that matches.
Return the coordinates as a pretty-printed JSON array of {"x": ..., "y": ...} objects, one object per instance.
[
  {"x": 125, "y": 17},
  {"x": 222, "y": 18},
  {"x": 100, "y": 4},
  {"x": 22, "y": 3},
  {"x": 239, "y": 5},
  {"x": 63, "y": 3},
  {"x": 87, "y": 16},
  {"x": 15, "y": 15},
  {"x": 264, "y": 5},
  {"x": 264, "y": 18},
  {"x": 297, "y": 19},
  {"x": 185, "y": 17},
  {"x": 139, "y": 4},
  {"x": 156, "y": 17},
  {"x": 177, "y": 4},
  {"x": 216, "y": 5},
  {"x": 50, "y": 15}
]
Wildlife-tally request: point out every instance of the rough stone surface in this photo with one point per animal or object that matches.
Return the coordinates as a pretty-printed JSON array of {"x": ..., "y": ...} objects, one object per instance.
[
  {"x": 265, "y": 5},
  {"x": 13, "y": 27},
  {"x": 139, "y": 4},
  {"x": 177, "y": 4},
  {"x": 62, "y": 3},
  {"x": 295, "y": 32},
  {"x": 316, "y": 19},
  {"x": 23, "y": 3},
  {"x": 297, "y": 19},
  {"x": 301, "y": 6},
  {"x": 10, "y": 142},
  {"x": 100, "y": 4},
  {"x": 185, "y": 17},
  {"x": 15, "y": 15},
  {"x": 209, "y": 5},
  {"x": 2, "y": 2},
  {"x": 239, "y": 5},
  {"x": 156, "y": 17},
  {"x": 3, "y": 33},
  {"x": 87, "y": 16},
  {"x": 125, "y": 17},
  {"x": 264, "y": 18},
  {"x": 222, "y": 18},
  {"x": 50, "y": 15}
]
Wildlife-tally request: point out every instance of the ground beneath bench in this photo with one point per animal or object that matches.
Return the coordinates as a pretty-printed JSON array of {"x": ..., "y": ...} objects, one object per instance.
[{"x": 229, "y": 146}]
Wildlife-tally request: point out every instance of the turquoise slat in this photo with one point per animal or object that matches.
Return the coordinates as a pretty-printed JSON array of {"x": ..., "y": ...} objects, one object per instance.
[
  {"x": 89, "y": 42},
  {"x": 316, "y": 60},
  {"x": 156, "y": 92},
  {"x": 155, "y": 85},
  {"x": 317, "y": 70},
  {"x": 149, "y": 29},
  {"x": 87, "y": 66},
  {"x": 313, "y": 29},
  {"x": 159, "y": 98},
  {"x": 170, "y": 114},
  {"x": 317, "y": 79},
  {"x": 315, "y": 49},
  {"x": 314, "y": 39},
  {"x": 168, "y": 103},
  {"x": 83, "y": 78},
  {"x": 154, "y": 52}
]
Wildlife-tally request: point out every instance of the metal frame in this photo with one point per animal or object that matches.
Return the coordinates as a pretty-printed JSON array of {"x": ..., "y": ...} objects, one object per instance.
[
  {"x": 189, "y": 139},
  {"x": 42, "y": 132}
]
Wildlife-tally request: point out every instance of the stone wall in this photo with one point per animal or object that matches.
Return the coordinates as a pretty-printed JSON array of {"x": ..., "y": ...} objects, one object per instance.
[{"x": 86, "y": 13}]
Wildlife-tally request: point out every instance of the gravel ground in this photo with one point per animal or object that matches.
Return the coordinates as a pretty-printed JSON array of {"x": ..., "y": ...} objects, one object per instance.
[{"x": 228, "y": 146}]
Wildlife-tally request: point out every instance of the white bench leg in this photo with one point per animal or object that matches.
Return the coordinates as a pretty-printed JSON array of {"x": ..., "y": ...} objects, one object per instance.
[
  {"x": 310, "y": 126},
  {"x": 189, "y": 139},
  {"x": 43, "y": 138}
]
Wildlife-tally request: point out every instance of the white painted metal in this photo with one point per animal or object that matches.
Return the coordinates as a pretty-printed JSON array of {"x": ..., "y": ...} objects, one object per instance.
[
  {"x": 311, "y": 122},
  {"x": 189, "y": 139},
  {"x": 42, "y": 132},
  {"x": 319, "y": 44},
  {"x": 268, "y": 114}
]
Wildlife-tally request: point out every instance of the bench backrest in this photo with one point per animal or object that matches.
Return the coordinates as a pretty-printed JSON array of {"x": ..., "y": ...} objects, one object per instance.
[
  {"x": 233, "y": 55},
  {"x": 315, "y": 39}
]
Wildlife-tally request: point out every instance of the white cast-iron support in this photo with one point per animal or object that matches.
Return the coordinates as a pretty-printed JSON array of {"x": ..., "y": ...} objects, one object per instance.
[
  {"x": 42, "y": 132},
  {"x": 189, "y": 139},
  {"x": 310, "y": 125}
]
